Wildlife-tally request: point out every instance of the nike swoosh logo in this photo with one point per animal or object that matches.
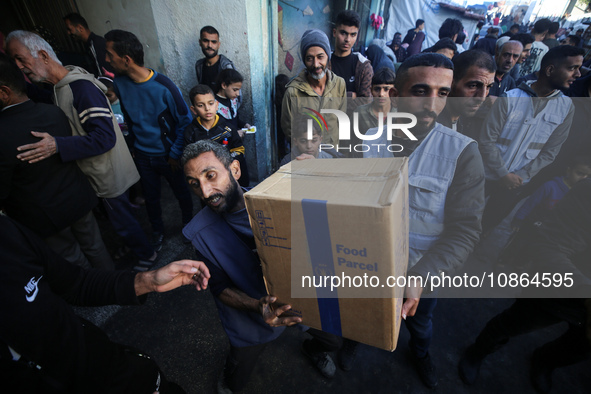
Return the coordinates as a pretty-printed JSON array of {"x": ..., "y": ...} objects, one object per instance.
[
  {"x": 32, "y": 297},
  {"x": 32, "y": 283}
]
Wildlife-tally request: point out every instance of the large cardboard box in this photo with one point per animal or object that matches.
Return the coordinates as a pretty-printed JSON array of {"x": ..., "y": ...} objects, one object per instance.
[{"x": 319, "y": 222}]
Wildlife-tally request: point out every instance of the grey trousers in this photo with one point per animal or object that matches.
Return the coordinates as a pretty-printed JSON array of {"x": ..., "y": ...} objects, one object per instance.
[{"x": 82, "y": 244}]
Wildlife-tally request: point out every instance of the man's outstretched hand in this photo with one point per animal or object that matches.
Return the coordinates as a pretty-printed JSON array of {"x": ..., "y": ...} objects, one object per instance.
[
  {"x": 173, "y": 275},
  {"x": 272, "y": 313}
]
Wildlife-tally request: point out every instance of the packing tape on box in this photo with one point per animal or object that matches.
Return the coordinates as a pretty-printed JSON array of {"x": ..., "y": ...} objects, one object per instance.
[{"x": 320, "y": 248}]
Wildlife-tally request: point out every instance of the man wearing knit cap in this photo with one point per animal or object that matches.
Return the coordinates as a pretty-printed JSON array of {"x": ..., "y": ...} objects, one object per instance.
[{"x": 316, "y": 87}]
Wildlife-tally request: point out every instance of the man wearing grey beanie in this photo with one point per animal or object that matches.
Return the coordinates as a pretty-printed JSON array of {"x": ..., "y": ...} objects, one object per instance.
[{"x": 316, "y": 87}]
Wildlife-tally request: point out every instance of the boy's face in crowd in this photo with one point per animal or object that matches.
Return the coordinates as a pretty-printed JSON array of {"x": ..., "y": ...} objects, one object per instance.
[
  {"x": 74, "y": 31},
  {"x": 345, "y": 37},
  {"x": 424, "y": 93},
  {"x": 210, "y": 44},
  {"x": 316, "y": 61},
  {"x": 473, "y": 87},
  {"x": 577, "y": 173},
  {"x": 507, "y": 56},
  {"x": 381, "y": 93},
  {"x": 232, "y": 90},
  {"x": 111, "y": 95},
  {"x": 118, "y": 63},
  {"x": 566, "y": 72},
  {"x": 310, "y": 147},
  {"x": 204, "y": 106},
  {"x": 213, "y": 183},
  {"x": 32, "y": 67},
  {"x": 524, "y": 53}
]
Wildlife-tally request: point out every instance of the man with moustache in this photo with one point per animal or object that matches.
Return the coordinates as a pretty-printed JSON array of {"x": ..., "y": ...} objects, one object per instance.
[
  {"x": 474, "y": 73},
  {"x": 526, "y": 40},
  {"x": 446, "y": 194},
  {"x": 315, "y": 87},
  {"x": 224, "y": 241},
  {"x": 96, "y": 143},
  {"x": 208, "y": 68},
  {"x": 522, "y": 136},
  {"x": 506, "y": 57},
  {"x": 443, "y": 231}
]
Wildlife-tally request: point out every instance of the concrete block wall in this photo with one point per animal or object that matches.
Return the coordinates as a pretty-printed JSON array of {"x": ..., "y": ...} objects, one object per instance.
[{"x": 169, "y": 30}]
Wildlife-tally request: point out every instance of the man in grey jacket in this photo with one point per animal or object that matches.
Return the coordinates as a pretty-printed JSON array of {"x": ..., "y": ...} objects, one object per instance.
[
  {"x": 208, "y": 68},
  {"x": 524, "y": 132},
  {"x": 446, "y": 195}
]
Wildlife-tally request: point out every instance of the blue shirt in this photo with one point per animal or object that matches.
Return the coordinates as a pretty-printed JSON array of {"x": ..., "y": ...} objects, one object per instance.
[
  {"x": 156, "y": 114},
  {"x": 219, "y": 241},
  {"x": 543, "y": 199},
  {"x": 95, "y": 116}
]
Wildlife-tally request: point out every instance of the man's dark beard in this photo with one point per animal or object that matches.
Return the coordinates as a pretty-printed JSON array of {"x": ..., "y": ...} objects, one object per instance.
[
  {"x": 426, "y": 113},
  {"x": 208, "y": 56},
  {"x": 419, "y": 128},
  {"x": 230, "y": 198}
]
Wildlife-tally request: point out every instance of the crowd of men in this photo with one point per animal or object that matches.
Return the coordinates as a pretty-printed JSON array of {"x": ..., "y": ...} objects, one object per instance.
[{"x": 483, "y": 142}]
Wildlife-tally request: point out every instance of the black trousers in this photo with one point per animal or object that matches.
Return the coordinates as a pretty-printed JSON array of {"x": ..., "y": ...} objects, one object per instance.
[
  {"x": 112, "y": 368},
  {"x": 531, "y": 314},
  {"x": 501, "y": 203},
  {"x": 130, "y": 372},
  {"x": 242, "y": 360}
]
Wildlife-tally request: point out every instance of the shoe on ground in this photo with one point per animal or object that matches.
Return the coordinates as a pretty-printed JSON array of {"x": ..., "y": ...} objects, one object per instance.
[
  {"x": 347, "y": 353},
  {"x": 145, "y": 265},
  {"x": 321, "y": 360},
  {"x": 469, "y": 366},
  {"x": 426, "y": 370},
  {"x": 540, "y": 373},
  {"x": 222, "y": 387},
  {"x": 158, "y": 239}
]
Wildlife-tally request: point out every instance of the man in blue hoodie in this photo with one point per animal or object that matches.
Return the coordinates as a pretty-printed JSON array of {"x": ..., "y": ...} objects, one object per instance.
[{"x": 223, "y": 240}]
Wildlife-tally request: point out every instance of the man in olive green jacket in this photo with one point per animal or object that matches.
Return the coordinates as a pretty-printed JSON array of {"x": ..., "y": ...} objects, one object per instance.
[{"x": 315, "y": 88}]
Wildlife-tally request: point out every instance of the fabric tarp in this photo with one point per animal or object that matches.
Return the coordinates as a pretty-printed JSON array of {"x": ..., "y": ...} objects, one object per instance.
[{"x": 404, "y": 13}]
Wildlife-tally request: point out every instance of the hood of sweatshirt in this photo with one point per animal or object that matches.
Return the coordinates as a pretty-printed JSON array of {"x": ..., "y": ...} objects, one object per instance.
[{"x": 76, "y": 73}]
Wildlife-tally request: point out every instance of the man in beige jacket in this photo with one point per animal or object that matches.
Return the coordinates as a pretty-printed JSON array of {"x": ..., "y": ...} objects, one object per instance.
[{"x": 96, "y": 142}]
